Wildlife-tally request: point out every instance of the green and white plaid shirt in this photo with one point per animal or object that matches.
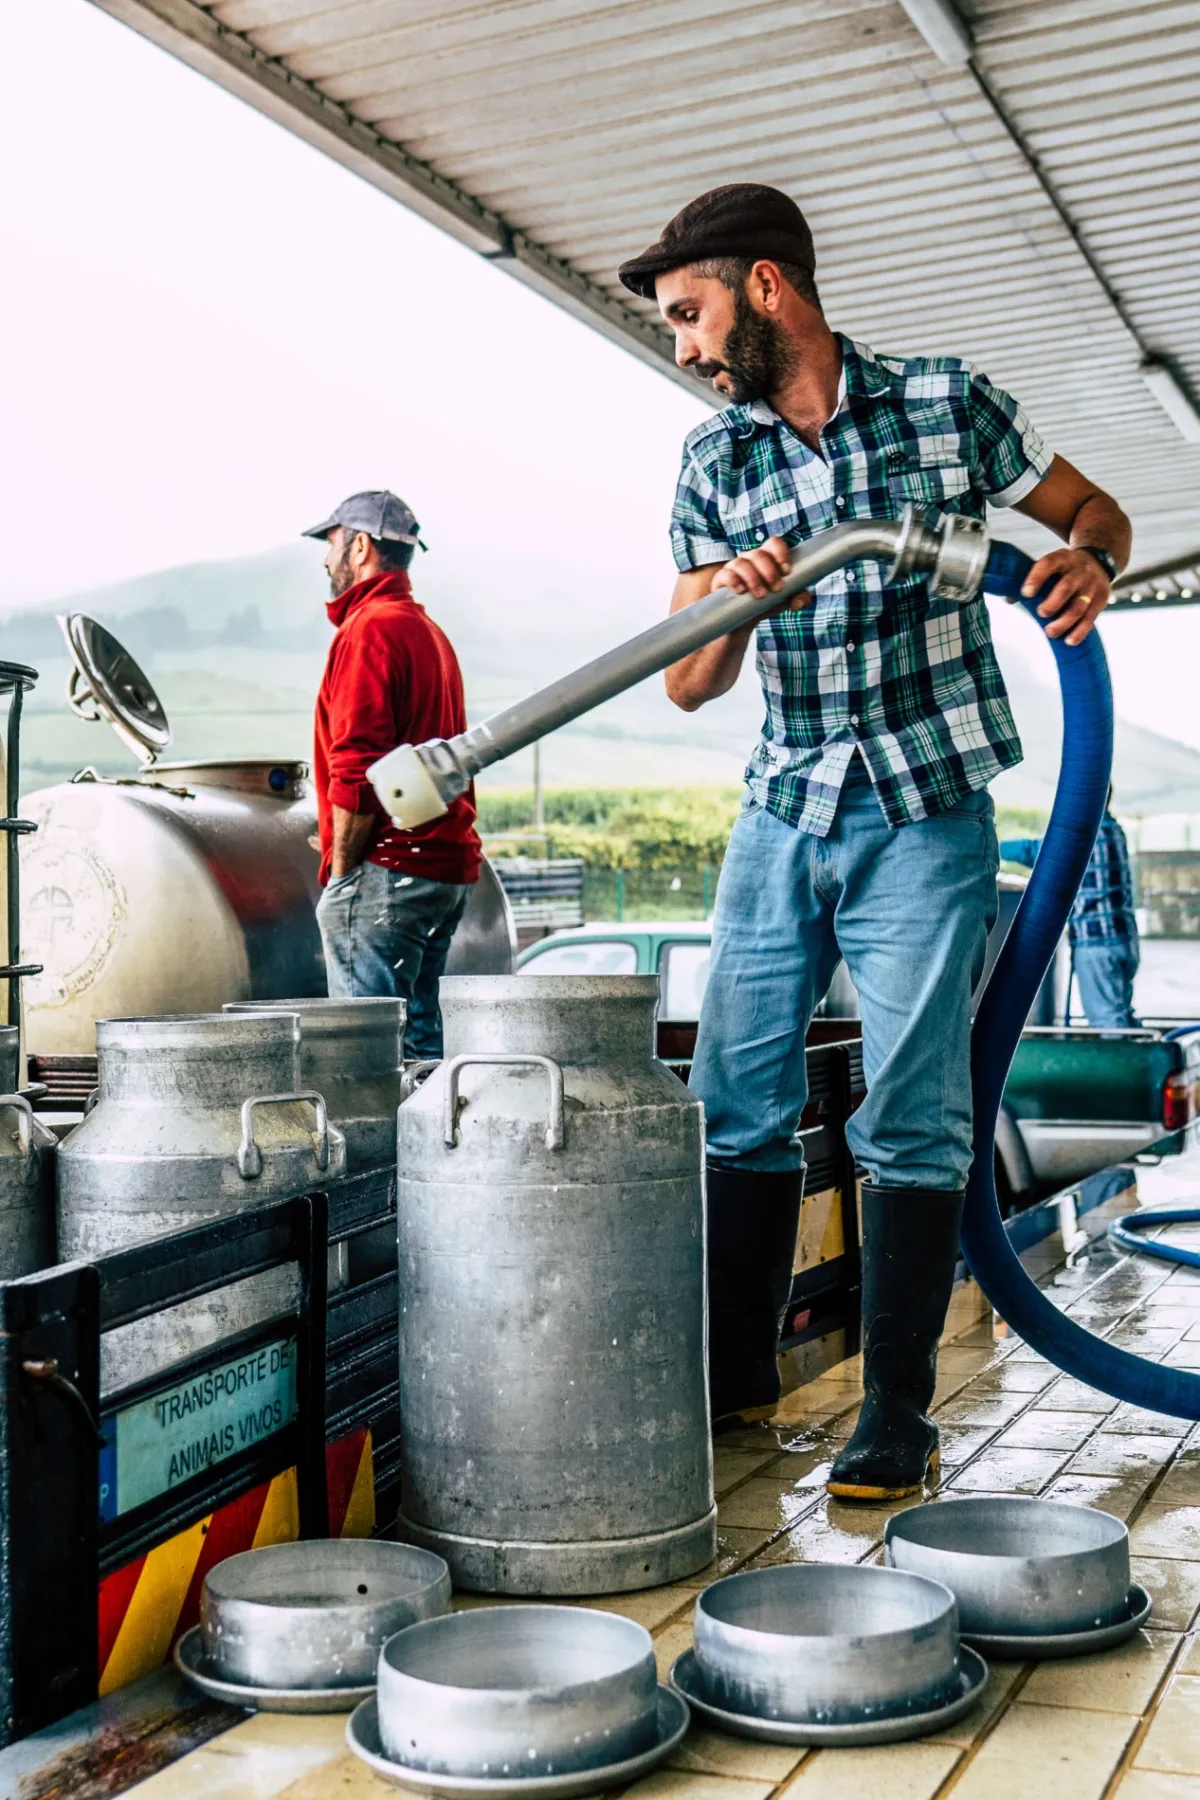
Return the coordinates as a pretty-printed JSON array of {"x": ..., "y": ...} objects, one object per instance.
[{"x": 910, "y": 681}]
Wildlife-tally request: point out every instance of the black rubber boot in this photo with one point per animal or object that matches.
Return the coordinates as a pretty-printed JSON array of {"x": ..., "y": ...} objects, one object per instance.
[
  {"x": 753, "y": 1219},
  {"x": 910, "y": 1248}
]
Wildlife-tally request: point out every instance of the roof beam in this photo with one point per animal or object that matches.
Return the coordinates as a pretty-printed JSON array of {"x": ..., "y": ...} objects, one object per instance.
[{"x": 192, "y": 34}]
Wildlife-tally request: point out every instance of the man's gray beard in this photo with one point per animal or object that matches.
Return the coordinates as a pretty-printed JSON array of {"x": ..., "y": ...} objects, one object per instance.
[{"x": 341, "y": 577}]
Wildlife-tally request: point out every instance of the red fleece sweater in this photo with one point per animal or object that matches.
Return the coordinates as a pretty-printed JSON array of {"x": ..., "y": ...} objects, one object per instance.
[{"x": 391, "y": 678}]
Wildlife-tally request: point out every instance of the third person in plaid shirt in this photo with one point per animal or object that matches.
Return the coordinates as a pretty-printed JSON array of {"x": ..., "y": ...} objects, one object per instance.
[
  {"x": 1105, "y": 949},
  {"x": 867, "y": 830}
]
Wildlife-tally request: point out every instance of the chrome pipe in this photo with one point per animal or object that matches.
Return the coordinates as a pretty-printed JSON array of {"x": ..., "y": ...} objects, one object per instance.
[{"x": 416, "y": 783}]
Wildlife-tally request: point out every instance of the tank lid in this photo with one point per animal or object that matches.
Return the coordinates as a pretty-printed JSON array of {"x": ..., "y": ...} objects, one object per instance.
[{"x": 106, "y": 683}]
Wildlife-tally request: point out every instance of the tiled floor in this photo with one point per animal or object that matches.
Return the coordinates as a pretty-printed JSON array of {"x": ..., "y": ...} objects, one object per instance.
[{"x": 1126, "y": 1724}]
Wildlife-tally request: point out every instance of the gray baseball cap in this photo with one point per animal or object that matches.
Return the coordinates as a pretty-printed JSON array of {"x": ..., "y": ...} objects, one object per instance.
[{"x": 377, "y": 512}]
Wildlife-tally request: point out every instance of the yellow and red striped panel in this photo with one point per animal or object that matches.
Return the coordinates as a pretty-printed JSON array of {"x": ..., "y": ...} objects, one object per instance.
[{"x": 152, "y": 1601}]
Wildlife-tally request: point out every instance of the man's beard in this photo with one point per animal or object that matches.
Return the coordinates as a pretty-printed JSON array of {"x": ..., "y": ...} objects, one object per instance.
[
  {"x": 341, "y": 575},
  {"x": 757, "y": 355}
]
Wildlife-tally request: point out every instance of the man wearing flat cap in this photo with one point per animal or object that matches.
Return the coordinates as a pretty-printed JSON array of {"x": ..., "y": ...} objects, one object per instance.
[
  {"x": 392, "y": 898},
  {"x": 866, "y": 831}
]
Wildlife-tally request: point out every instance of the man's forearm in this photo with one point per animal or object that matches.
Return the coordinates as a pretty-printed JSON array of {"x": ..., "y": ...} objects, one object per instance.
[
  {"x": 351, "y": 835},
  {"x": 714, "y": 668},
  {"x": 1077, "y": 588},
  {"x": 708, "y": 672},
  {"x": 1100, "y": 524}
]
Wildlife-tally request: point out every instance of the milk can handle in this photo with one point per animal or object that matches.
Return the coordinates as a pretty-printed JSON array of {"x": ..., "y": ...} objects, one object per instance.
[
  {"x": 412, "y": 1076},
  {"x": 24, "y": 1112},
  {"x": 249, "y": 1156},
  {"x": 555, "y": 1130}
]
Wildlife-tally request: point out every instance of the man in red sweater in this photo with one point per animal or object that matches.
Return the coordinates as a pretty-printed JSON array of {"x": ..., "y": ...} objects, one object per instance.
[{"x": 392, "y": 898}]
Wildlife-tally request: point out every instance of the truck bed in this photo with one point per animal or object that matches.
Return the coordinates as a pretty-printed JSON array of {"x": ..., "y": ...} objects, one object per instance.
[{"x": 1081, "y": 1099}]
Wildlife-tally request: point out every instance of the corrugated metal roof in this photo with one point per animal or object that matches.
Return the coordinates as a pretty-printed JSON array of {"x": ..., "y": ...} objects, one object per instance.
[
  {"x": 1175, "y": 582},
  {"x": 559, "y": 135}
]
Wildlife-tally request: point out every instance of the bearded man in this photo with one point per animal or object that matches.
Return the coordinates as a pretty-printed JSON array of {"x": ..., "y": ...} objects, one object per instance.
[
  {"x": 392, "y": 898},
  {"x": 866, "y": 831}
]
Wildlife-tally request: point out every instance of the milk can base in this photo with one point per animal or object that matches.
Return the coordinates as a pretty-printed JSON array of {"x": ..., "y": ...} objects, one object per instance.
[{"x": 600, "y": 1566}]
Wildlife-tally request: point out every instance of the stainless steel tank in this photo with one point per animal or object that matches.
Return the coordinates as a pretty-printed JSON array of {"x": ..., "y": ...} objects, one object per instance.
[
  {"x": 211, "y": 855},
  {"x": 173, "y": 890},
  {"x": 485, "y": 942},
  {"x": 26, "y": 1190},
  {"x": 194, "y": 1118},
  {"x": 352, "y": 1052},
  {"x": 550, "y": 1212}
]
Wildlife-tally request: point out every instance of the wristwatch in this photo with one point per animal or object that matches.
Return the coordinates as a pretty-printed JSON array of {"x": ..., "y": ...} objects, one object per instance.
[{"x": 1105, "y": 558}]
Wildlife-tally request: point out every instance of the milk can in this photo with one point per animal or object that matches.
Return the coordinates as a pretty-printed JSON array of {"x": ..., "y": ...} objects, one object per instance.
[
  {"x": 26, "y": 1190},
  {"x": 10, "y": 1058},
  {"x": 352, "y": 1052},
  {"x": 550, "y": 1211},
  {"x": 196, "y": 1116}
]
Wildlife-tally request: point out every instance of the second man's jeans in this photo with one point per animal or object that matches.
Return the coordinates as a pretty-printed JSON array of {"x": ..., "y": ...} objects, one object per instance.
[
  {"x": 1104, "y": 969},
  {"x": 909, "y": 910},
  {"x": 386, "y": 933}
]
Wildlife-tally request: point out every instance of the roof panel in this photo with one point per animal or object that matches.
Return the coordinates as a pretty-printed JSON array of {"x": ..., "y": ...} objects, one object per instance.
[{"x": 558, "y": 136}]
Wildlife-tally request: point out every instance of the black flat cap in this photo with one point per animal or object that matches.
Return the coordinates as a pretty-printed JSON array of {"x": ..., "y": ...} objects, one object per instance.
[{"x": 743, "y": 219}]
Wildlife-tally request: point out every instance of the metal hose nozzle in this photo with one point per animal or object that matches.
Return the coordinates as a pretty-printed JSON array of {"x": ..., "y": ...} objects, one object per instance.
[{"x": 416, "y": 783}]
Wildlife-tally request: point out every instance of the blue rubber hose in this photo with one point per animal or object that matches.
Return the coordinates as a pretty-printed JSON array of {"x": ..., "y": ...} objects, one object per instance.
[
  {"x": 1123, "y": 1232},
  {"x": 1015, "y": 979}
]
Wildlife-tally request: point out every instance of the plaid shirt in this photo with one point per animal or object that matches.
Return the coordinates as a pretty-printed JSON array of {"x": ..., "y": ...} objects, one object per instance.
[
  {"x": 1103, "y": 912},
  {"x": 910, "y": 680}
]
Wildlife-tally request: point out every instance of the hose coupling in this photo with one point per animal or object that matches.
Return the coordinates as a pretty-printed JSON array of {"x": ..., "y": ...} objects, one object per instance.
[{"x": 953, "y": 553}]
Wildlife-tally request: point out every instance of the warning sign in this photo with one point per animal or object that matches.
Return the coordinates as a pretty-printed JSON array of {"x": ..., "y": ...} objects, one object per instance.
[{"x": 156, "y": 1445}]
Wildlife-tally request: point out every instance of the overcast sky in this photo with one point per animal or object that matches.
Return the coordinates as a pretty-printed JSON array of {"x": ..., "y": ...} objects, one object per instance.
[{"x": 212, "y": 333}]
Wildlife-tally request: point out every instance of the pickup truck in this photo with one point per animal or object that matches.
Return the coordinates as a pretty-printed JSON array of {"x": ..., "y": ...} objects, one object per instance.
[{"x": 1076, "y": 1100}]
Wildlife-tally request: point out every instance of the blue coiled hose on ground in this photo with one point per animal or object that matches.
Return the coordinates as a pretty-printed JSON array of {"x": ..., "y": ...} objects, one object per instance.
[
  {"x": 1124, "y": 1232},
  {"x": 1023, "y": 961}
]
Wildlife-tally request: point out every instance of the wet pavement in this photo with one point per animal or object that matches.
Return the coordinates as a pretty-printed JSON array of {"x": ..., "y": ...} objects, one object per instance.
[{"x": 1125, "y": 1723}]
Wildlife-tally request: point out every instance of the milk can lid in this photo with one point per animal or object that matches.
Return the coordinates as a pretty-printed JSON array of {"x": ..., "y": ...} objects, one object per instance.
[{"x": 106, "y": 683}]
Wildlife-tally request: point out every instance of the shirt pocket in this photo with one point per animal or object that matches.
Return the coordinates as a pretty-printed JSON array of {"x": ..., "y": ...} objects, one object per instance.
[
  {"x": 931, "y": 486},
  {"x": 771, "y": 513}
]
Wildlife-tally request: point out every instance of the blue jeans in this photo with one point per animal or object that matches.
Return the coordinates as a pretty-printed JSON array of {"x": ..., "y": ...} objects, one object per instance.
[
  {"x": 386, "y": 933},
  {"x": 910, "y": 910},
  {"x": 1104, "y": 969}
]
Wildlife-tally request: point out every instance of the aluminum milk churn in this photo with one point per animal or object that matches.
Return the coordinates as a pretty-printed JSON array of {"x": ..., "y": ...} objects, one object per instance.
[
  {"x": 196, "y": 1116},
  {"x": 550, "y": 1216},
  {"x": 352, "y": 1052},
  {"x": 26, "y": 1190},
  {"x": 26, "y": 1173}
]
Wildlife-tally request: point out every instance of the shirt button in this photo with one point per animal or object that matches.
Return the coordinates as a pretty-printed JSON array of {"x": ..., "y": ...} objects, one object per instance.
[
  {"x": 760, "y": 534},
  {"x": 850, "y": 578},
  {"x": 850, "y": 643},
  {"x": 854, "y": 718},
  {"x": 840, "y": 503}
]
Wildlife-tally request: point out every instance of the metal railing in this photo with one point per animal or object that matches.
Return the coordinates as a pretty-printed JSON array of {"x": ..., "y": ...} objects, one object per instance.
[{"x": 15, "y": 680}]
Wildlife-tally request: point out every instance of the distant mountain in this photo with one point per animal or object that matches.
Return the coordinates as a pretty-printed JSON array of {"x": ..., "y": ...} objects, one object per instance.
[{"x": 236, "y": 650}]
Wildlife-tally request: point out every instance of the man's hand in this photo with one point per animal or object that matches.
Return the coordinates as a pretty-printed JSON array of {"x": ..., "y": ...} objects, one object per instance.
[
  {"x": 1073, "y": 508},
  {"x": 1077, "y": 598},
  {"x": 760, "y": 573},
  {"x": 352, "y": 833}
]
